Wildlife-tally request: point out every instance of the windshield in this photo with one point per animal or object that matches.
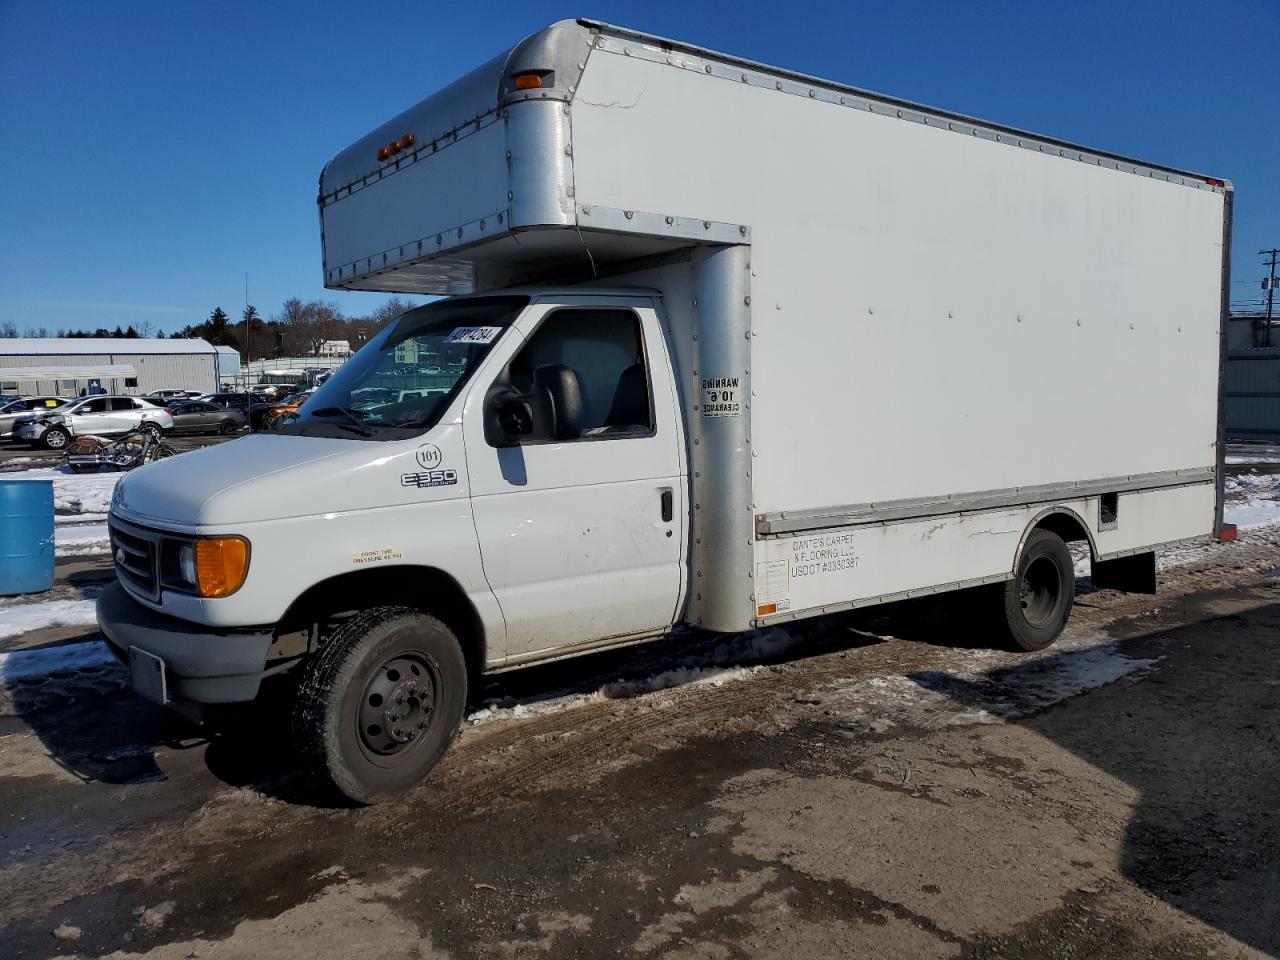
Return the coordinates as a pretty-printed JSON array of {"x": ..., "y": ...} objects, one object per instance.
[{"x": 401, "y": 382}]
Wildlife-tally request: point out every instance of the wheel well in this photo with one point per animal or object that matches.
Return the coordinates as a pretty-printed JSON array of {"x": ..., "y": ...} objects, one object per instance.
[
  {"x": 425, "y": 588},
  {"x": 1064, "y": 522},
  {"x": 1066, "y": 525}
]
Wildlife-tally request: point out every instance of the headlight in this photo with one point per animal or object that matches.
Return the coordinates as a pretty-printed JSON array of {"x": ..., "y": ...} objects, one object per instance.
[
  {"x": 205, "y": 566},
  {"x": 187, "y": 562}
]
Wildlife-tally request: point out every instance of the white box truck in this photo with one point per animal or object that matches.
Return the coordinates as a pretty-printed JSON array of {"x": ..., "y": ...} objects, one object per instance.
[{"x": 724, "y": 345}]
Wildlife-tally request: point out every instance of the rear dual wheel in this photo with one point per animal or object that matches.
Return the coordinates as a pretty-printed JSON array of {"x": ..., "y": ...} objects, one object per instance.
[{"x": 381, "y": 701}]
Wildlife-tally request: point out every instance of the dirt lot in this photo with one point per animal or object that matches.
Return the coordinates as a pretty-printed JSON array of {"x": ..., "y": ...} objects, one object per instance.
[{"x": 873, "y": 785}]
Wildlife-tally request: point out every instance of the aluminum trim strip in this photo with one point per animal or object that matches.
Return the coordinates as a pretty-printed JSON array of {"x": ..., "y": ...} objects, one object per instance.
[
  {"x": 774, "y": 524},
  {"x": 617, "y": 220}
]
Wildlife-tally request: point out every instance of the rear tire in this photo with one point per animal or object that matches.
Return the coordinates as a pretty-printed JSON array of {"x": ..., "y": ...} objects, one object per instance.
[
  {"x": 55, "y": 438},
  {"x": 151, "y": 430},
  {"x": 1035, "y": 604},
  {"x": 381, "y": 702}
]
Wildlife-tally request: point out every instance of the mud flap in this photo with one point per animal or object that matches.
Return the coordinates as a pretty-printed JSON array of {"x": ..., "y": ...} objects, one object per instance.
[{"x": 1135, "y": 574}]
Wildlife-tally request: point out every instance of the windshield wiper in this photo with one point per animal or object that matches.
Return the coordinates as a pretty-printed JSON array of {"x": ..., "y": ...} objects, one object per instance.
[{"x": 355, "y": 421}]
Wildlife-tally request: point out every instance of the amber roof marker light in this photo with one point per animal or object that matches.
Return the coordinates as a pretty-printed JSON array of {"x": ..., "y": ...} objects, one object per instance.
[{"x": 527, "y": 81}]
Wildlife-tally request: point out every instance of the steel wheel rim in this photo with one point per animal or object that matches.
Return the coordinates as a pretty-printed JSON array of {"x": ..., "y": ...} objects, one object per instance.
[
  {"x": 1039, "y": 590},
  {"x": 397, "y": 705}
]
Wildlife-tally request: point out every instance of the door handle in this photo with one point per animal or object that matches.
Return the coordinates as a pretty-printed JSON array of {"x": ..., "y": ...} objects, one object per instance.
[{"x": 668, "y": 504}]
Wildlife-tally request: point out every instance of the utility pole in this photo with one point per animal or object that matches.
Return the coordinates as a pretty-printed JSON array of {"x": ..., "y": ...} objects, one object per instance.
[
  {"x": 1269, "y": 285},
  {"x": 248, "y": 349}
]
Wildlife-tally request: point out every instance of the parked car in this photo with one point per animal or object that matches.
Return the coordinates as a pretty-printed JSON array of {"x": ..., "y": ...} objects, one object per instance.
[
  {"x": 14, "y": 407},
  {"x": 253, "y": 405},
  {"x": 290, "y": 404},
  {"x": 100, "y": 416},
  {"x": 242, "y": 400},
  {"x": 274, "y": 391},
  {"x": 197, "y": 416},
  {"x": 171, "y": 395}
]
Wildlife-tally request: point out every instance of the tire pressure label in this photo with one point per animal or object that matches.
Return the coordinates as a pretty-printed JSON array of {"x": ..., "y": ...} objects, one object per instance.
[
  {"x": 721, "y": 397},
  {"x": 826, "y": 553},
  {"x": 382, "y": 555}
]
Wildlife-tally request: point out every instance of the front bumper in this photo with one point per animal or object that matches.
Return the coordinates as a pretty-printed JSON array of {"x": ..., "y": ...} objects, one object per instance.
[
  {"x": 29, "y": 433},
  {"x": 202, "y": 664}
]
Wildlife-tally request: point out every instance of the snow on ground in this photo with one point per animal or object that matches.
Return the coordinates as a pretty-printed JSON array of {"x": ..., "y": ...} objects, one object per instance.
[
  {"x": 19, "y": 618},
  {"x": 736, "y": 659},
  {"x": 971, "y": 692},
  {"x": 75, "y": 492},
  {"x": 80, "y": 540},
  {"x": 1253, "y": 499},
  {"x": 57, "y": 677},
  {"x": 76, "y": 518},
  {"x": 51, "y": 661}
]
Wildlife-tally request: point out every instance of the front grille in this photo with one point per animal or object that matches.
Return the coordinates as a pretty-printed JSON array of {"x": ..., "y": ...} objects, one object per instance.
[{"x": 137, "y": 560}]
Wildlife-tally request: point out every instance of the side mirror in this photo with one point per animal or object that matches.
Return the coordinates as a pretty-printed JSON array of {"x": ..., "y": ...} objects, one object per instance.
[{"x": 507, "y": 418}]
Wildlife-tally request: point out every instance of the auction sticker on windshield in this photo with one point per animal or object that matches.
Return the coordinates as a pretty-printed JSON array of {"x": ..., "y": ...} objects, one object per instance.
[{"x": 473, "y": 335}]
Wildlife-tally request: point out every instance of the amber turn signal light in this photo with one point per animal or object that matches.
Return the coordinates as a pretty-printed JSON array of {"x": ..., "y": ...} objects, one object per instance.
[
  {"x": 221, "y": 565},
  {"x": 528, "y": 81}
]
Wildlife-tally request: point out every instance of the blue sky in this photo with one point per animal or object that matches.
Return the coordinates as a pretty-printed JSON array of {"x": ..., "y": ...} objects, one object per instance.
[{"x": 153, "y": 153}]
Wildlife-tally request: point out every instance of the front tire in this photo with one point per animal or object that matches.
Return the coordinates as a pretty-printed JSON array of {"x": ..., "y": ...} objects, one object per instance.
[
  {"x": 381, "y": 702},
  {"x": 55, "y": 438},
  {"x": 227, "y": 427},
  {"x": 1037, "y": 601}
]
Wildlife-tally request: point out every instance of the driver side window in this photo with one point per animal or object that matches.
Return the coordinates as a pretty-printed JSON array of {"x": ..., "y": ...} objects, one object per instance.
[{"x": 582, "y": 375}]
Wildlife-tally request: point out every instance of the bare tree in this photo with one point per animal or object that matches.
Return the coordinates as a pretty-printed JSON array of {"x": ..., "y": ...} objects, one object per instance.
[
  {"x": 8, "y": 330},
  {"x": 390, "y": 309},
  {"x": 304, "y": 327}
]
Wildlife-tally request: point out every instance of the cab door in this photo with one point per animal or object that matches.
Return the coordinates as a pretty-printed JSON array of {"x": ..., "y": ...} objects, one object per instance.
[{"x": 582, "y": 535}]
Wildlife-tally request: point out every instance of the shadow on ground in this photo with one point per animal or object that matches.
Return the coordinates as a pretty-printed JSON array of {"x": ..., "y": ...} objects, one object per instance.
[{"x": 1199, "y": 738}]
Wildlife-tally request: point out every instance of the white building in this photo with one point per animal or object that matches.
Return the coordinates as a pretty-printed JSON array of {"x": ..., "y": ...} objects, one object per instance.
[
  {"x": 66, "y": 366},
  {"x": 335, "y": 348}
]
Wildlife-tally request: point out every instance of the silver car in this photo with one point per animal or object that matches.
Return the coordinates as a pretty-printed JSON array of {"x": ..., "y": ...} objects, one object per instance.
[
  {"x": 11, "y": 408},
  {"x": 100, "y": 416},
  {"x": 197, "y": 416}
]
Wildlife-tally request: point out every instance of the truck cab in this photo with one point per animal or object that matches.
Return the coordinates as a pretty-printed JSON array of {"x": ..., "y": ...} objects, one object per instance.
[{"x": 513, "y": 463}]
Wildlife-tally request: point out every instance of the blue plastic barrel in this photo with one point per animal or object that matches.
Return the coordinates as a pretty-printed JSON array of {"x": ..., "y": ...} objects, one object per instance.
[{"x": 26, "y": 536}]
